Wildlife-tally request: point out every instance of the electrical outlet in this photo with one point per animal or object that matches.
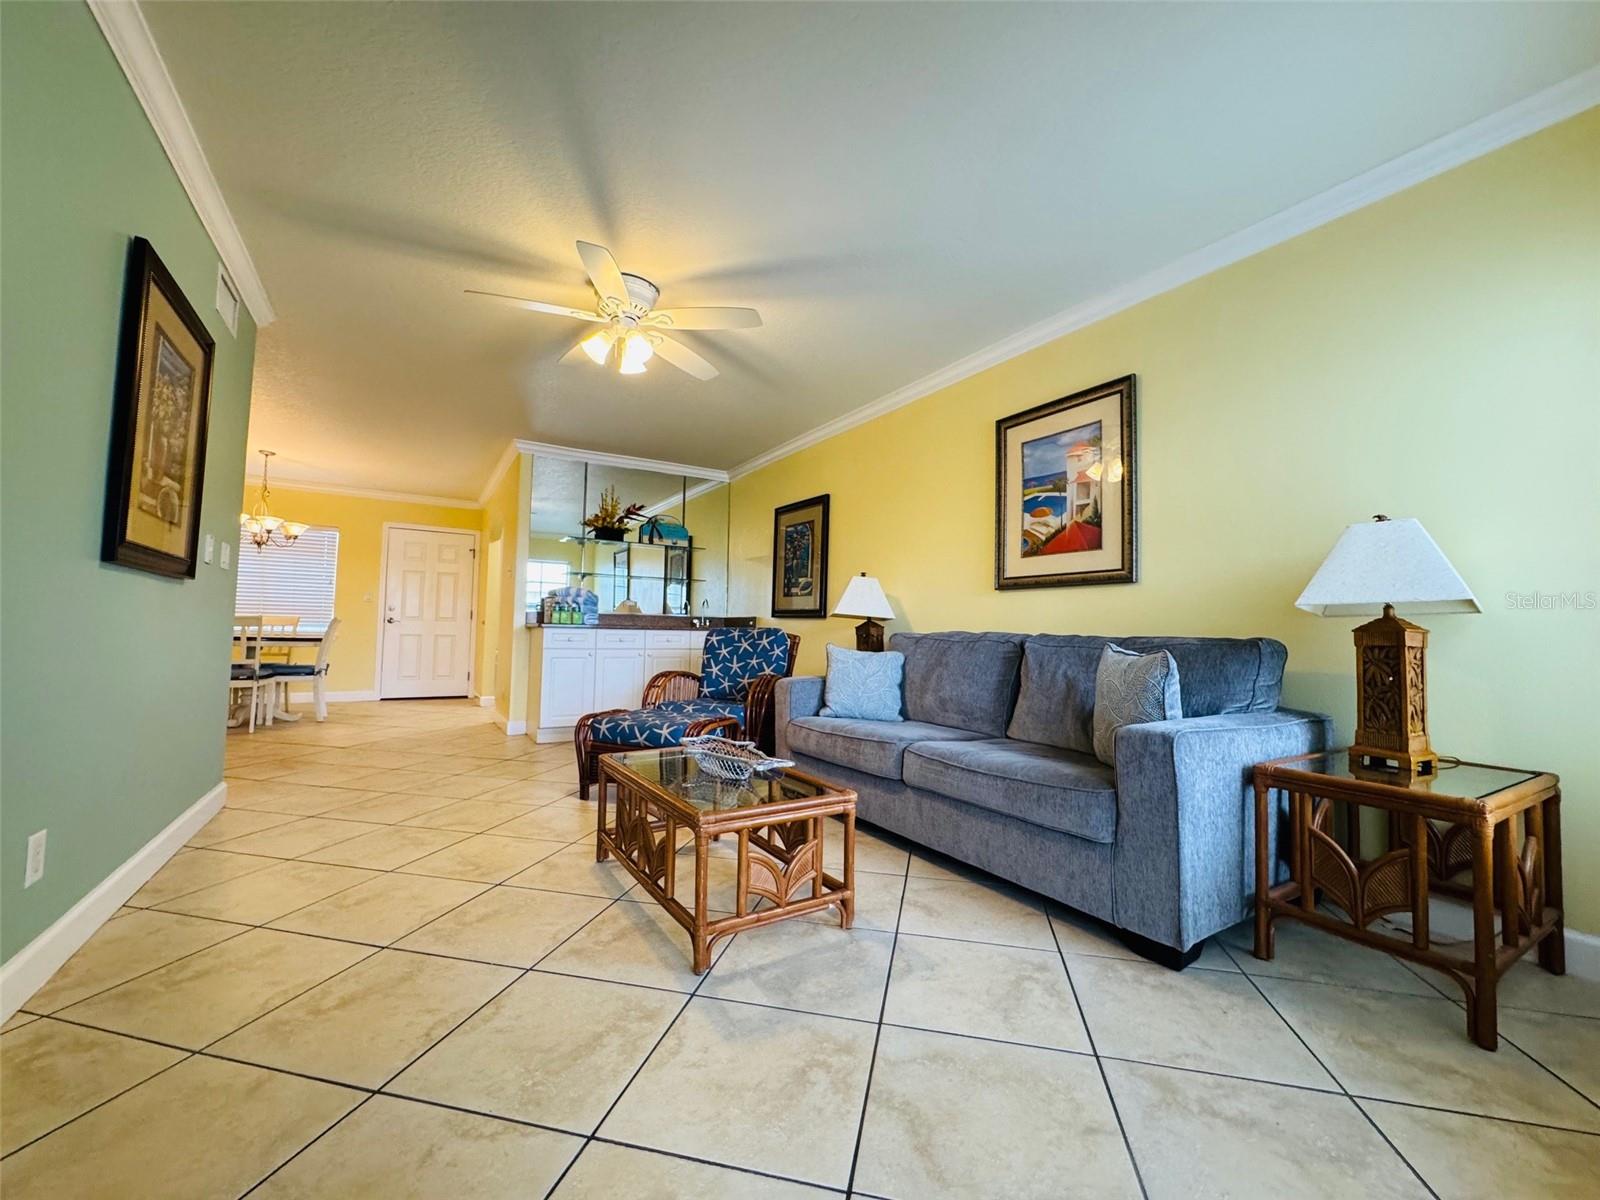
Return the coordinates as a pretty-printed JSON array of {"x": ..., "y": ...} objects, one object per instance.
[{"x": 35, "y": 870}]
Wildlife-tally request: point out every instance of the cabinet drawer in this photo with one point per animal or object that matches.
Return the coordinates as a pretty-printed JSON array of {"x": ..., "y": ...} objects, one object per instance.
[
  {"x": 556, "y": 636},
  {"x": 620, "y": 639},
  {"x": 669, "y": 639}
]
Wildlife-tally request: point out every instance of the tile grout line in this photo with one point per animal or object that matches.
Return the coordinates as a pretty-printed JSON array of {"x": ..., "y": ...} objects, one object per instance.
[
  {"x": 877, "y": 1036},
  {"x": 188, "y": 1054},
  {"x": 643, "y": 1062},
  {"x": 1260, "y": 991},
  {"x": 1094, "y": 1049}
]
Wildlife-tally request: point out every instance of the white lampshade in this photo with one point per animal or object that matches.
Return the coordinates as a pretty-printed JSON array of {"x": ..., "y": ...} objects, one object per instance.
[
  {"x": 1382, "y": 562},
  {"x": 863, "y": 597}
]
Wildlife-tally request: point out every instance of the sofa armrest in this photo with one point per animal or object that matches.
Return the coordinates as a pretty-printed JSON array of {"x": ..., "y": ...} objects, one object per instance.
[
  {"x": 798, "y": 696},
  {"x": 1184, "y": 863}
]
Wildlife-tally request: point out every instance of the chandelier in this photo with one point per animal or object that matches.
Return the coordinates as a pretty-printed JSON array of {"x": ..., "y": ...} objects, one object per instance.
[{"x": 259, "y": 524}]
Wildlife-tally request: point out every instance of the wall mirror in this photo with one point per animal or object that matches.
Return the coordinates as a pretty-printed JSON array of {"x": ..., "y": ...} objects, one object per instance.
[{"x": 671, "y": 561}]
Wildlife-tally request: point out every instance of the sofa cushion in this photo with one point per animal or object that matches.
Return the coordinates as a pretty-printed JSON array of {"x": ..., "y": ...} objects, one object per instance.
[
  {"x": 875, "y": 747},
  {"x": 961, "y": 680},
  {"x": 1043, "y": 785},
  {"x": 1216, "y": 676}
]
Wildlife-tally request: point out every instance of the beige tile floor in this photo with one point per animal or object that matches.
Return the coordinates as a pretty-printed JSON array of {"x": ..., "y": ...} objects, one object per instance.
[{"x": 391, "y": 967}]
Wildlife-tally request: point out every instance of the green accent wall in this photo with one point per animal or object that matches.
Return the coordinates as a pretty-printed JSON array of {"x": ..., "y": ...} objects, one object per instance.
[
  {"x": 114, "y": 681},
  {"x": 1435, "y": 355}
]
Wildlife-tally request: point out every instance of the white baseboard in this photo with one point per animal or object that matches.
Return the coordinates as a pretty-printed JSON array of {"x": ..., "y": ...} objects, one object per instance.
[
  {"x": 554, "y": 733},
  {"x": 512, "y": 728},
  {"x": 485, "y": 701},
  {"x": 26, "y": 971},
  {"x": 1583, "y": 955}
]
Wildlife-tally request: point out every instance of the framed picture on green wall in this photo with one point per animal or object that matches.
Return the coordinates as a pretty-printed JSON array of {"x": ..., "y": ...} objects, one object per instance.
[
  {"x": 158, "y": 431},
  {"x": 1066, "y": 509}
]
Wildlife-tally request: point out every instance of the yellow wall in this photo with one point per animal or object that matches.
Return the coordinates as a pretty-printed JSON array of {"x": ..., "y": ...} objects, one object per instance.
[
  {"x": 358, "y": 588},
  {"x": 1436, "y": 355},
  {"x": 505, "y": 518}
]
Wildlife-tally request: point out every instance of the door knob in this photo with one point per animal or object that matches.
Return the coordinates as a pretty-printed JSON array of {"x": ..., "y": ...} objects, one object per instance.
[{"x": 392, "y": 620}]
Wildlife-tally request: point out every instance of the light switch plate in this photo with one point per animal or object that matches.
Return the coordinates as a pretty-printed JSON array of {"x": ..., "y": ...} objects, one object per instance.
[
  {"x": 211, "y": 545},
  {"x": 227, "y": 552},
  {"x": 35, "y": 868}
]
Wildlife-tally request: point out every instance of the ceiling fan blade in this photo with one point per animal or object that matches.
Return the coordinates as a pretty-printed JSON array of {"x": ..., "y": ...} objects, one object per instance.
[
  {"x": 709, "y": 318},
  {"x": 603, "y": 272},
  {"x": 539, "y": 306},
  {"x": 684, "y": 358}
]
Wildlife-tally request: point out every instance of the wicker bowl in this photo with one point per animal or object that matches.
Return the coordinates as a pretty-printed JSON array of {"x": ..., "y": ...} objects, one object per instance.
[{"x": 731, "y": 761}]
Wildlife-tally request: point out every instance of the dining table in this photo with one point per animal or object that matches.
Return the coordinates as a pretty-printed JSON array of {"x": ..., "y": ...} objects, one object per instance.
[{"x": 291, "y": 639}]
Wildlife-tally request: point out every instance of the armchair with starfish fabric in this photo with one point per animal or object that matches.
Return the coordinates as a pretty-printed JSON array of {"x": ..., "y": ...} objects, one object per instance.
[{"x": 732, "y": 696}]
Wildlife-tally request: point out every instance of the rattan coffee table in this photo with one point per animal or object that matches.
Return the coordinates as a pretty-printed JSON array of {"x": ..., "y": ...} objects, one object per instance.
[{"x": 779, "y": 821}]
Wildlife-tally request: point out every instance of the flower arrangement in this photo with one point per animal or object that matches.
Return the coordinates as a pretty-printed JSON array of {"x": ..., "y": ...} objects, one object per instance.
[{"x": 610, "y": 520}]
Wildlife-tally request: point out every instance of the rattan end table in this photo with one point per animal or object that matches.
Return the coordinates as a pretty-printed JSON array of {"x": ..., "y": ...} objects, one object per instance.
[{"x": 1456, "y": 832}]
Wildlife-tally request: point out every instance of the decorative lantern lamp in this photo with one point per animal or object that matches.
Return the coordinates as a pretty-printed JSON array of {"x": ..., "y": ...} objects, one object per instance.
[{"x": 1377, "y": 567}]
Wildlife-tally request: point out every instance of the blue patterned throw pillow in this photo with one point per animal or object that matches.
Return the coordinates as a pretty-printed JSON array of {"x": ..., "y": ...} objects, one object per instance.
[
  {"x": 864, "y": 684},
  {"x": 1131, "y": 689}
]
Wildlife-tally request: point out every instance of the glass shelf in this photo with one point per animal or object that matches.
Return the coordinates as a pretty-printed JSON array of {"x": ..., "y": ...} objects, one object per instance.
[
  {"x": 637, "y": 577},
  {"x": 586, "y": 540}
]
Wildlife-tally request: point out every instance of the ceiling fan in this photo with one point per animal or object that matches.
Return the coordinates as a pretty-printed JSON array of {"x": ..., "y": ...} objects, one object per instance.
[{"x": 633, "y": 330}]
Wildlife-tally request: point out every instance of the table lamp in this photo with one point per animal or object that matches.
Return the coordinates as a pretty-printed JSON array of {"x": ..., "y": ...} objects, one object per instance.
[
  {"x": 863, "y": 597},
  {"x": 1377, "y": 567}
]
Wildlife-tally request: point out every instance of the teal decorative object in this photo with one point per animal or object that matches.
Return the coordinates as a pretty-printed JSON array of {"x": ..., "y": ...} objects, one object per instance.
[{"x": 663, "y": 531}]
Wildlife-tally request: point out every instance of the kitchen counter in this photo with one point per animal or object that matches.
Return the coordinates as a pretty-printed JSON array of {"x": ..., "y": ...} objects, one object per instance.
[{"x": 643, "y": 621}]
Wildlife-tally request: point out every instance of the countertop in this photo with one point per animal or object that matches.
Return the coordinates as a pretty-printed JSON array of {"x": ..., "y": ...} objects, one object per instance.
[{"x": 645, "y": 621}]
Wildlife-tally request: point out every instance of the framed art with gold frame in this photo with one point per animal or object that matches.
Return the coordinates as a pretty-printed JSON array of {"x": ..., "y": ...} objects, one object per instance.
[
  {"x": 1066, "y": 500},
  {"x": 156, "y": 474}
]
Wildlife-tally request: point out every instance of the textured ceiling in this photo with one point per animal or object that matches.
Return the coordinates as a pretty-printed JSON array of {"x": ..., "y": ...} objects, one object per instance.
[{"x": 894, "y": 186}]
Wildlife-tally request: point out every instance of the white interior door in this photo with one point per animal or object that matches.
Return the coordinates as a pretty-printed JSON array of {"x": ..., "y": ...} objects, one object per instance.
[{"x": 427, "y": 613}]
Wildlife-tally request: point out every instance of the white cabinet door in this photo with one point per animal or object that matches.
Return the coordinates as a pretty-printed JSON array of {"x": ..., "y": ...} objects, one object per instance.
[
  {"x": 618, "y": 678},
  {"x": 566, "y": 686},
  {"x": 665, "y": 658}
]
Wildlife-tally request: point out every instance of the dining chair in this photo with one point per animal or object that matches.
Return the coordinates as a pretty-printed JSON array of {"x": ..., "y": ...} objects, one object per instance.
[
  {"x": 247, "y": 674},
  {"x": 283, "y": 673},
  {"x": 271, "y": 625}
]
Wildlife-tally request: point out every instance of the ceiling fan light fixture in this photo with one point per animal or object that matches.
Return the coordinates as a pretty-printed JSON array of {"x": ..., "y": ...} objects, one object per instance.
[
  {"x": 636, "y": 351},
  {"x": 598, "y": 345}
]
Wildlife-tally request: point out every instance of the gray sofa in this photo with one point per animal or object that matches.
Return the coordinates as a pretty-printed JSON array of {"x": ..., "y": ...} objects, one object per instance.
[{"x": 994, "y": 765}]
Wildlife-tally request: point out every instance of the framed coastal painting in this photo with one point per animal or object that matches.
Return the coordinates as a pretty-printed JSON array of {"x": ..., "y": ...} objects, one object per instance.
[
  {"x": 158, "y": 433},
  {"x": 1066, "y": 509},
  {"x": 800, "y": 558}
]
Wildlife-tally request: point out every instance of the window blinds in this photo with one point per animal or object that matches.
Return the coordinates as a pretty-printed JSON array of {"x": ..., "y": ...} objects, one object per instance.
[{"x": 290, "y": 581}]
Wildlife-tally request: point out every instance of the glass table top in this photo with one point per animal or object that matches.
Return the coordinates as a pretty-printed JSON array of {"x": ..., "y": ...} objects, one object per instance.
[
  {"x": 682, "y": 774},
  {"x": 1466, "y": 780}
]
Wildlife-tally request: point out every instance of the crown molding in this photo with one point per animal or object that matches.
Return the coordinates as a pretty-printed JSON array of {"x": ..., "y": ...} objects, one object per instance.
[
  {"x": 1528, "y": 116},
  {"x": 124, "y": 27},
  {"x": 507, "y": 457},
  {"x": 340, "y": 489},
  {"x": 604, "y": 459}
]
